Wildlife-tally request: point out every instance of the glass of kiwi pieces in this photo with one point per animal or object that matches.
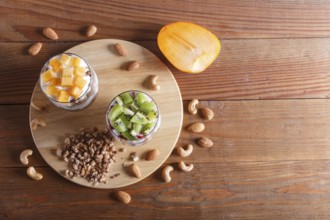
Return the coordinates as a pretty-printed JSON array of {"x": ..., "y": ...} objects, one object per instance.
[{"x": 133, "y": 118}]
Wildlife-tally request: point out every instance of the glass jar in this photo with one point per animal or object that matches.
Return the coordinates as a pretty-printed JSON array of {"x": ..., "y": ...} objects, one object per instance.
[
  {"x": 69, "y": 82},
  {"x": 133, "y": 118}
]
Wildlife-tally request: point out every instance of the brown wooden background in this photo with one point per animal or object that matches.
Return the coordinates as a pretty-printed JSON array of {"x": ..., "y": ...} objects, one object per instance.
[{"x": 269, "y": 89}]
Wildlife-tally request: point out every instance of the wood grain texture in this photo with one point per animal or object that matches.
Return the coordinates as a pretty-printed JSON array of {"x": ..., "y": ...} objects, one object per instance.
[
  {"x": 269, "y": 89},
  {"x": 239, "y": 190},
  {"x": 241, "y": 131},
  {"x": 141, "y": 20},
  {"x": 113, "y": 79},
  {"x": 245, "y": 69}
]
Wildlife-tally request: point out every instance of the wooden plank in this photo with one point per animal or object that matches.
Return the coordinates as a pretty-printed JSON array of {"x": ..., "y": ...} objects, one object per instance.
[
  {"x": 141, "y": 20},
  {"x": 245, "y": 69},
  {"x": 241, "y": 131},
  {"x": 15, "y": 136},
  {"x": 245, "y": 190}
]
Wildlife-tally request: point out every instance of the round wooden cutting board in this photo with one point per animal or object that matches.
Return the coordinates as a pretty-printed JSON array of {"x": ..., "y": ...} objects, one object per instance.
[{"x": 113, "y": 79}]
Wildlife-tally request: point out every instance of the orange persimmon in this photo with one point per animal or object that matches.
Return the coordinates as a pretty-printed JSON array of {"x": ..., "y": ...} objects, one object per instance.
[{"x": 188, "y": 46}]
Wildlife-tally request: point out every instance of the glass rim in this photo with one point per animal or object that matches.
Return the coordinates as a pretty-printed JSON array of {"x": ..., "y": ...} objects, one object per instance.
[
  {"x": 46, "y": 64},
  {"x": 109, "y": 123}
]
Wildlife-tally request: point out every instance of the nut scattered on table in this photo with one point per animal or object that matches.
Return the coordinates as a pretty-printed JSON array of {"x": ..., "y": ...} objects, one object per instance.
[
  {"x": 35, "y": 48},
  {"x": 184, "y": 167},
  {"x": 120, "y": 49},
  {"x": 192, "y": 106},
  {"x": 205, "y": 142},
  {"x": 133, "y": 65},
  {"x": 24, "y": 156},
  {"x": 151, "y": 83},
  {"x": 185, "y": 152},
  {"x": 90, "y": 155},
  {"x": 91, "y": 30},
  {"x": 123, "y": 197},
  {"x": 31, "y": 172},
  {"x": 39, "y": 105},
  {"x": 152, "y": 154},
  {"x": 196, "y": 127},
  {"x": 207, "y": 113},
  {"x": 50, "y": 33},
  {"x": 134, "y": 157},
  {"x": 135, "y": 170},
  {"x": 166, "y": 173},
  {"x": 37, "y": 122}
]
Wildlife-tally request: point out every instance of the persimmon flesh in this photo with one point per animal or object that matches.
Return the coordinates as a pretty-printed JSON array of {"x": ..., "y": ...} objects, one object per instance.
[{"x": 188, "y": 46}]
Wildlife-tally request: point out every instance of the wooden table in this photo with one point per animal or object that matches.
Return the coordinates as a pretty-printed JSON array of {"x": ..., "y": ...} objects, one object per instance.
[{"x": 269, "y": 89}]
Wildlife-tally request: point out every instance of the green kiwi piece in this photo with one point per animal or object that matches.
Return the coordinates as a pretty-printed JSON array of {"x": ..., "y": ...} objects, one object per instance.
[
  {"x": 125, "y": 120},
  {"x": 119, "y": 101},
  {"x": 128, "y": 136},
  {"x": 139, "y": 118},
  {"x": 128, "y": 111},
  {"x": 137, "y": 127},
  {"x": 127, "y": 98},
  {"x": 148, "y": 127},
  {"x": 151, "y": 116},
  {"x": 133, "y": 107},
  {"x": 115, "y": 111},
  {"x": 119, "y": 125},
  {"x": 146, "y": 107},
  {"x": 140, "y": 98}
]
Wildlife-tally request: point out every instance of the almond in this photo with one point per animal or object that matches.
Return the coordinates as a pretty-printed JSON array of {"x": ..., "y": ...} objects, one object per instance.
[
  {"x": 207, "y": 113},
  {"x": 152, "y": 154},
  {"x": 135, "y": 170},
  {"x": 121, "y": 50},
  {"x": 205, "y": 142},
  {"x": 123, "y": 196},
  {"x": 196, "y": 127},
  {"x": 35, "y": 49},
  {"x": 91, "y": 30},
  {"x": 50, "y": 33},
  {"x": 133, "y": 65}
]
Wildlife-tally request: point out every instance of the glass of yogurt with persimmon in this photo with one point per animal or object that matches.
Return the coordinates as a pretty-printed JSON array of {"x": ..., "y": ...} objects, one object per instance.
[{"x": 69, "y": 82}]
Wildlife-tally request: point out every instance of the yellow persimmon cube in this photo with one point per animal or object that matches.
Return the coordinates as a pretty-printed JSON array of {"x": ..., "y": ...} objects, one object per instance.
[
  {"x": 47, "y": 75},
  {"x": 75, "y": 61},
  {"x": 75, "y": 92},
  {"x": 52, "y": 91},
  {"x": 55, "y": 64},
  {"x": 79, "y": 71},
  {"x": 55, "y": 82},
  {"x": 80, "y": 82},
  {"x": 67, "y": 72},
  {"x": 66, "y": 81},
  {"x": 65, "y": 59},
  {"x": 64, "y": 96}
]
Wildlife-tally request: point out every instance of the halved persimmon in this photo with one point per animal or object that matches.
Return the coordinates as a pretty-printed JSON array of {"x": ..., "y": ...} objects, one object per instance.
[{"x": 188, "y": 46}]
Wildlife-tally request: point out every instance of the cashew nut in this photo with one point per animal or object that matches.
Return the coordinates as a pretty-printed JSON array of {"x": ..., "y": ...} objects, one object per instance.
[
  {"x": 36, "y": 122},
  {"x": 166, "y": 173},
  {"x": 151, "y": 83},
  {"x": 192, "y": 106},
  {"x": 185, "y": 152},
  {"x": 24, "y": 156},
  {"x": 184, "y": 167},
  {"x": 31, "y": 172},
  {"x": 38, "y": 105}
]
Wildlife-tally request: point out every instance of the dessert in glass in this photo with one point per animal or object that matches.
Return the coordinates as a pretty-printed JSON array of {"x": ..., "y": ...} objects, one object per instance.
[
  {"x": 69, "y": 82},
  {"x": 133, "y": 118}
]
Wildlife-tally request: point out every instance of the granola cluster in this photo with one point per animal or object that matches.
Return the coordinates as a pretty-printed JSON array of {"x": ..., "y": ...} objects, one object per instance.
[{"x": 89, "y": 154}]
